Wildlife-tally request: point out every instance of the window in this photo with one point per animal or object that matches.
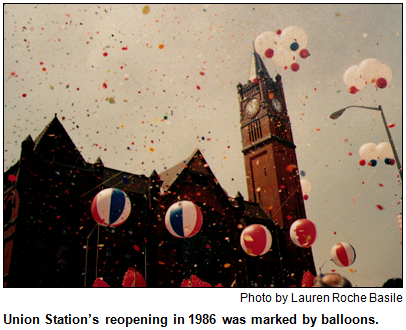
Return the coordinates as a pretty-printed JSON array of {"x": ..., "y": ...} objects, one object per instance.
[
  {"x": 265, "y": 171},
  {"x": 255, "y": 131}
]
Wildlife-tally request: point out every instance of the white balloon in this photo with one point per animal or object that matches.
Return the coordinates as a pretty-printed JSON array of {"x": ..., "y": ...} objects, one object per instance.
[
  {"x": 369, "y": 69},
  {"x": 265, "y": 41},
  {"x": 352, "y": 77},
  {"x": 293, "y": 34},
  {"x": 369, "y": 151},
  {"x": 384, "y": 150},
  {"x": 283, "y": 57}
]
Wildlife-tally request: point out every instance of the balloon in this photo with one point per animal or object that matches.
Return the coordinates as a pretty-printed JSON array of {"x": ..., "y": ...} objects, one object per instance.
[
  {"x": 306, "y": 187},
  {"x": 294, "y": 46},
  {"x": 372, "y": 69},
  {"x": 381, "y": 83},
  {"x": 373, "y": 162},
  {"x": 265, "y": 41},
  {"x": 99, "y": 283},
  {"x": 133, "y": 279},
  {"x": 183, "y": 219},
  {"x": 343, "y": 254},
  {"x": 269, "y": 53},
  {"x": 111, "y": 207},
  {"x": 387, "y": 161},
  {"x": 369, "y": 151},
  {"x": 308, "y": 279},
  {"x": 353, "y": 80},
  {"x": 295, "y": 35},
  {"x": 304, "y": 53},
  {"x": 303, "y": 233},
  {"x": 256, "y": 240},
  {"x": 295, "y": 67},
  {"x": 384, "y": 150},
  {"x": 362, "y": 162}
]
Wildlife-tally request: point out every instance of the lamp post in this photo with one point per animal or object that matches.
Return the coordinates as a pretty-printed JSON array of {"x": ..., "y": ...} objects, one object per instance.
[{"x": 338, "y": 113}]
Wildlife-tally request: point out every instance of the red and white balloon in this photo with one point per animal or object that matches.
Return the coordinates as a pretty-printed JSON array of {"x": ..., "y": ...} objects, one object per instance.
[
  {"x": 111, "y": 207},
  {"x": 343, "y": 254},
  {"x": 183, "y": 219},
  {"x": 256, "y": 240},
  {"x": 303, "y": 233}
]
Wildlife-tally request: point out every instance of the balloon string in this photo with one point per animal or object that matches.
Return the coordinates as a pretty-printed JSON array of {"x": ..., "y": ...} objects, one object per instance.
[
  {"x": 359, "y": 192},
  {"x": 103, "y": 184},
  {"x": 298, "y": 186}
]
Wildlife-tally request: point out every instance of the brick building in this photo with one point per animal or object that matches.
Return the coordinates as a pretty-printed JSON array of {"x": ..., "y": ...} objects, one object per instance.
[{"x": 51, "y": 240}]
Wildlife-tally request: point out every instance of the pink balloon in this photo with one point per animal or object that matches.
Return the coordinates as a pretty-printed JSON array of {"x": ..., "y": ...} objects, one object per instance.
[
  {"x": 303, "y": 233},
  {"x": 256, "y": 240}
]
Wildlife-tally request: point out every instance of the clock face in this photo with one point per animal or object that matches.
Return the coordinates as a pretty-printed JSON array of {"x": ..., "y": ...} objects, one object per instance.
[
  {"x": 277, "y": 105},
  {"x": 251, "y": 108}
]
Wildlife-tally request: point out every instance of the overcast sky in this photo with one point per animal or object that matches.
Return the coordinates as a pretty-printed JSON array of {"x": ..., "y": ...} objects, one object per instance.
[{"x": 142, "y": 87}]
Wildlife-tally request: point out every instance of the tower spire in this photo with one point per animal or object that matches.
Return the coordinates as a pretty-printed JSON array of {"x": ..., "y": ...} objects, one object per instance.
[{"x": 257, "y": 67}]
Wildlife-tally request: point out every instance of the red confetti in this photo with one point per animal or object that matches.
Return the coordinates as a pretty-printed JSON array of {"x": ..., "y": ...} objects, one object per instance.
[
  {"x": 161, "y": 263},
  {"x": 335, "y": 233},
  {"x": 12, "y": 74},
  {"x": 44, "y": 69},
  {"x": 305, "y": 197},
  {"x": 198, "y": 87},
  {"x": 380, "y": 207},
  {"x": 104, "y": 85},
  {"x": 124, "y": 48},
  {"x": 105, "y": 54},
  {"x": 282, "y": 186},
  {"x": 278, "y": 32},
  {"x": 202, "y": 73},
  {"x": 391, "y": 125},
  {"x": 24, "y": 95},
  {"x": 136, "y": 247},
  {"x": 381, "y": 185},
  {"x": 255, "y": 81},
  {"x": 350, "y": 153}
]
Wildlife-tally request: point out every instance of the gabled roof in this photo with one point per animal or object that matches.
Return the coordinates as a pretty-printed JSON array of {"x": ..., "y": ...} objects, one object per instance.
[
  {"x": 54, "y": 144},
  {"x": 125, "y": 181},
  {"x": 169, "y": 176}
]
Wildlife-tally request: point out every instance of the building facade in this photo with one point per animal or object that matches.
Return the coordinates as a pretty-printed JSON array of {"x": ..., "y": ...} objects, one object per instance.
[{"x": 51, "y": 240}]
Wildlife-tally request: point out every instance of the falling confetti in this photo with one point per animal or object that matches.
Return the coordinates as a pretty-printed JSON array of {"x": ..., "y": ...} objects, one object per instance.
[{"x": 145, "y": 10}]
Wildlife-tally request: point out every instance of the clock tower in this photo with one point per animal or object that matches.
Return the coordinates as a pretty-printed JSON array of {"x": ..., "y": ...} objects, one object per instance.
[{"x": 269, "y": 152}]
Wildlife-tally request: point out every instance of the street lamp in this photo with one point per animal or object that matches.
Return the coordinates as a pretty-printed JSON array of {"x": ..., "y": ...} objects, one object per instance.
[{"x": 338, "y": 113}]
